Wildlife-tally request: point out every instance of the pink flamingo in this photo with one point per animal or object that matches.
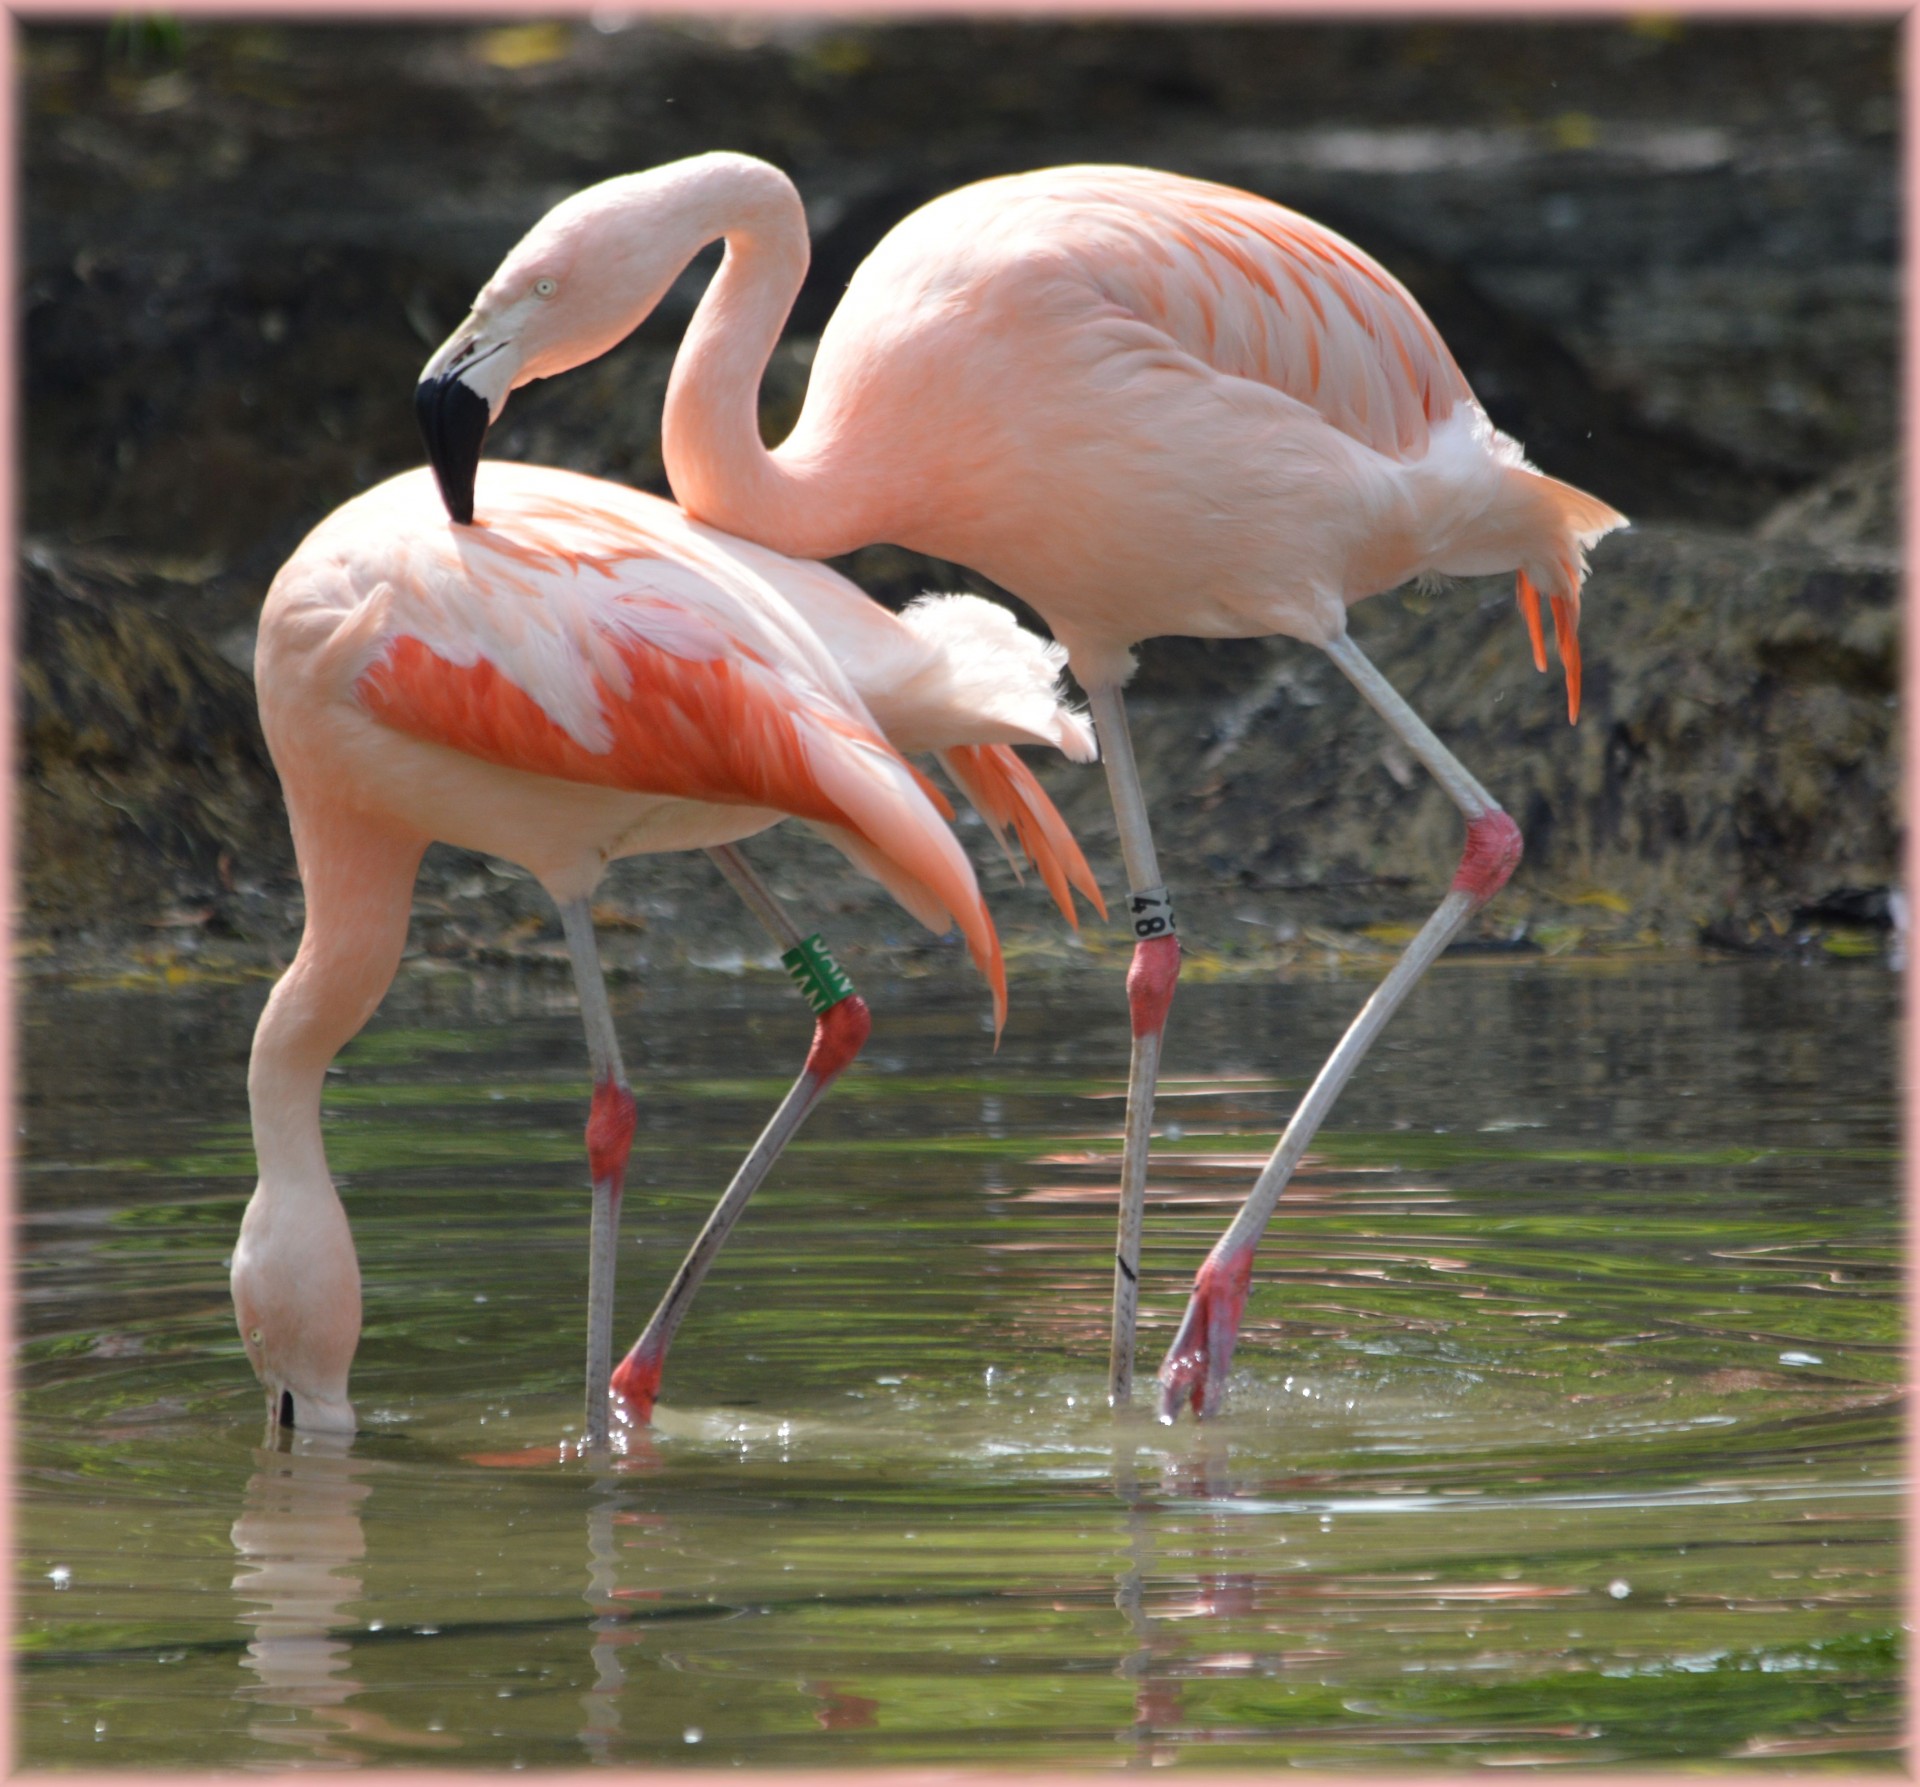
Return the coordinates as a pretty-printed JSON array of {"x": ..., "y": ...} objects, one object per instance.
[
  {"x": 1143, "y": 403},
  {"x": 590, "y": 676}
]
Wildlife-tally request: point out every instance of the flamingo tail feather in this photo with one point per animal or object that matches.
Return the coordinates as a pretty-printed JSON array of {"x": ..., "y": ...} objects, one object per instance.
[
  {"x": 1566, "y": 637},
  {"x": 1009, "y": 796},
  {"x": 1529, "y": 599}
]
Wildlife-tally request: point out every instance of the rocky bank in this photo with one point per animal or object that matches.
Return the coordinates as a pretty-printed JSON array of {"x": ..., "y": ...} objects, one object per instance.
[{"x": 1666, "y": 253}]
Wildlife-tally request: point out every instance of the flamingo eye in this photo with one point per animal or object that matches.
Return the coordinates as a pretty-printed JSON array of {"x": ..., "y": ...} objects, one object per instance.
[
  {"x": 545, "y": 288},
  {"x": 253, "y": 1334}
]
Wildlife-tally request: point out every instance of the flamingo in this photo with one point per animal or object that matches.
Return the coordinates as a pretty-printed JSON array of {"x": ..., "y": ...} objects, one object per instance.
[
  {"x": 590, "y": 676},
  {"x": 1146, "y": 404}
]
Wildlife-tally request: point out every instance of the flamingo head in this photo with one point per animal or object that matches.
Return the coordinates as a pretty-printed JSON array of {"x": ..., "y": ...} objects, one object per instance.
[
  {"x": 318, "y": 1405},
  {"x": 580, "y": 281},
  {"x": 296, "y": 1298}
]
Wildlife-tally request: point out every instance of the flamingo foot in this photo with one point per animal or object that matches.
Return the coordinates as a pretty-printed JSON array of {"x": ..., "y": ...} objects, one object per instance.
[
  {"x": 636, "y": 1384},
  {"x": 1195, "y": 1368}
]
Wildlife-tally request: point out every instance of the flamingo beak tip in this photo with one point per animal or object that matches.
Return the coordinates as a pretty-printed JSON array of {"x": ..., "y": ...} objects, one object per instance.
[{"x": 453, "y": 420}]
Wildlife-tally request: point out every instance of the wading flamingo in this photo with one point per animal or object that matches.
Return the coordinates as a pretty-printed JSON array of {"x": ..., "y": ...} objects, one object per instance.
[
  {"x": 590, "y": 676},
  {"x": 1146, "y": 405}
]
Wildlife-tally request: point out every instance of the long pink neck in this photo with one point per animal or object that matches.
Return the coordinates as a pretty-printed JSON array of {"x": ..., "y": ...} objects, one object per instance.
[
  {"x": 720, "y": 469},
  {"x": 359, "y": 885}
]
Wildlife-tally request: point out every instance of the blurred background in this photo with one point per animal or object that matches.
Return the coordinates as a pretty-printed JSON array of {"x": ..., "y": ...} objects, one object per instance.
[{"x": 1665, "y": 251}]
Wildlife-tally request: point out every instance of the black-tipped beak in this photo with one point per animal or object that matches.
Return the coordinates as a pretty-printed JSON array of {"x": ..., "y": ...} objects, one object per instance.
[{"x": 453, "y": 422}]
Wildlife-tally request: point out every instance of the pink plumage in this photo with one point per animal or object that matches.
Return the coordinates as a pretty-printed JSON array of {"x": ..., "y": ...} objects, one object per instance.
[
  {"x": 1145, "y": 404},
  {"x": 586, "y": 677}
]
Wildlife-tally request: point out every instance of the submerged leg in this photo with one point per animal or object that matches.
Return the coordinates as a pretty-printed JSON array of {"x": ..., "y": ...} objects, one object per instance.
[
  {"x": 1195, "y": 1368},
  {"x": 1150, "y": 982},
  {"x": 841, "y": 1024},
  {"x": 609, "y": 1138}
]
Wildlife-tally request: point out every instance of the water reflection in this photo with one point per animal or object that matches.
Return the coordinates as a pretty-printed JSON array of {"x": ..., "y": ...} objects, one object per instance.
[
  {"x": 1156, "y": 1703},
  {"x": 298, "y": 1540},
  {"x": 1181, "y": 1577},
  {"x": 1577, "y": 1418},
  {"x": 298, "y": 1532},
  {"x": 600, "y": 1704},
  {"x": 835, "y": 1709}
]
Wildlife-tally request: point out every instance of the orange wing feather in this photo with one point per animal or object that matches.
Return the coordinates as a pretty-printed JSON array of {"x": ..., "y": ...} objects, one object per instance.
[
  {"x": 696, "y": 730},
  {"x": 721, "y": 730}
]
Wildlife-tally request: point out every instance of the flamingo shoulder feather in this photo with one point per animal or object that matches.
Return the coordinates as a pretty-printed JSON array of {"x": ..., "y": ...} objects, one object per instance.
[{"x": 1242, "y": 284}]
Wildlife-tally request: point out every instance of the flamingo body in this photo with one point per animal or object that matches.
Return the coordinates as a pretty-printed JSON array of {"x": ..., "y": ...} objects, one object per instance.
[
  {"x": 556, "y": 689},
  {"x": 586, "y": 677},
  {"x": 1147, "y": 404}
]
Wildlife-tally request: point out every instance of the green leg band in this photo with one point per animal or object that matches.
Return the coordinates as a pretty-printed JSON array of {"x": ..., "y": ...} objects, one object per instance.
[{"x": 823, "y": 983}]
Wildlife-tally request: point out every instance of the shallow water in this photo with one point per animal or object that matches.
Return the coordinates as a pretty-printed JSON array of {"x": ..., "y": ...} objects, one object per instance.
[{"x": 1563, "y": 1429}]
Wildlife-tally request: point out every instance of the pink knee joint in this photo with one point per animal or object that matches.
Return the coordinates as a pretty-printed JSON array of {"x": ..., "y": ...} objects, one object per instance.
[
  {"x": 839, "y": 1033},
  {"x": 1491, "y": 855},
  {"x": 1150, "y": 983},
  {"x": 609, "y": 1132}
]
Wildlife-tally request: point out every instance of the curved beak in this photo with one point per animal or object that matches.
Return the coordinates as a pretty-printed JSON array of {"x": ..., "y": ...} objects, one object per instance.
[
  {"x": 453, "y": 422},
  {"x": 461, "y": 389},
  {"x": 302, "y": 1412}
]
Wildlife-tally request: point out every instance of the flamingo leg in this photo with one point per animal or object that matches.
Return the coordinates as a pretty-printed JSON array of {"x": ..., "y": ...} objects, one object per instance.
[
  {"x": 1195, "y": 1368},
  {"x": 609, "y": 1139},
  {"x": 1150, "y": 983},
  {"x": 841, "y": 1026}
]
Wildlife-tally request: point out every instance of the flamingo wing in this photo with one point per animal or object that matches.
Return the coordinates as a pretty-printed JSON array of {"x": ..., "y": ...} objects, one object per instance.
[
  {"x": 1256, "y": 291},
  {"x": 556, "y": 642}
]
